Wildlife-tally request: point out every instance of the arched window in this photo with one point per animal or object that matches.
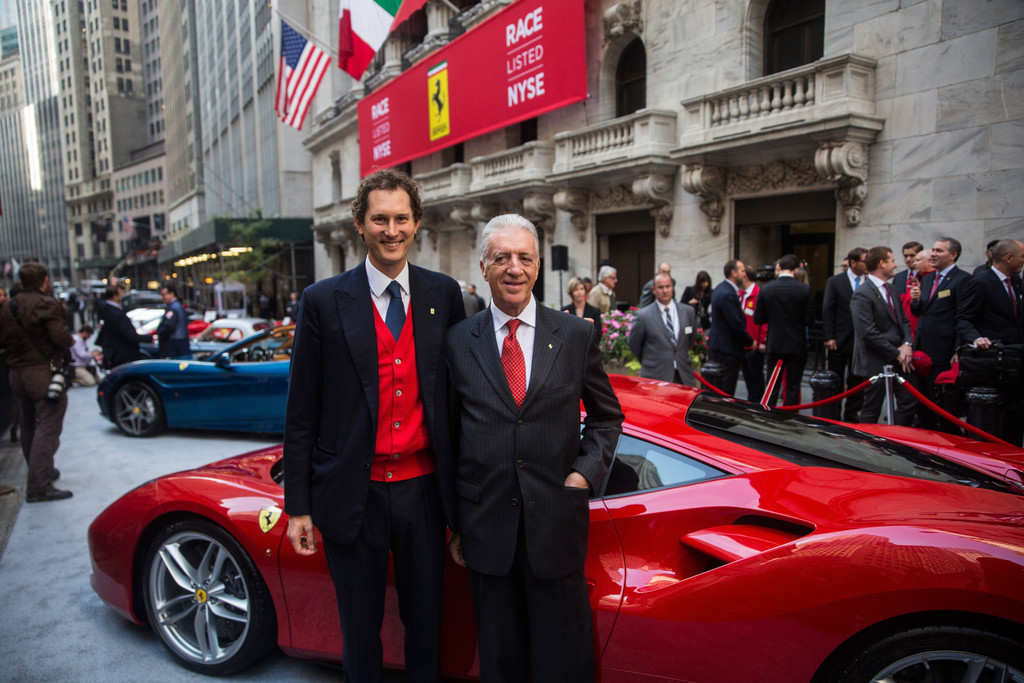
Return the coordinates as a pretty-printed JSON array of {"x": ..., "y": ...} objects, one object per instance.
[
  {"x": 631, "y": 79},
  {"x": 794, "y": 34}
]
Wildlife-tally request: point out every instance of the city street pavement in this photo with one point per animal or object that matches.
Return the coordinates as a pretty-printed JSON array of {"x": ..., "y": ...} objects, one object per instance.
[{"x": 53, "y": 627}]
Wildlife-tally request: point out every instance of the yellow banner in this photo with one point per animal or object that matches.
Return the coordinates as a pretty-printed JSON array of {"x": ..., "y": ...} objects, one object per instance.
[{"x": 437, "y": 101}]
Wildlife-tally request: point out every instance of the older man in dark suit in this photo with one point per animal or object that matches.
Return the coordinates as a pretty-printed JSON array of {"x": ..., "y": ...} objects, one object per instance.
[
  {"x": 990, "y": 311},
  {"x": 787, "y": 307},
  {"x": 837, "y": 326},
  {"x": 524, "y": 475},
  {"x": 661, "y": 335},
  {"x": 935, "y": 301},
  {"x": 367, "y": 456},
  {"x": 881, "y": 337},
  {"x": 729, "y": 336}
]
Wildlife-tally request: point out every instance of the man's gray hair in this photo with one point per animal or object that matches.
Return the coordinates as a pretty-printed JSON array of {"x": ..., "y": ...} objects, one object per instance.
[
  {"x": 505, "y": 222},
  {"x": 606, "y": 271}
]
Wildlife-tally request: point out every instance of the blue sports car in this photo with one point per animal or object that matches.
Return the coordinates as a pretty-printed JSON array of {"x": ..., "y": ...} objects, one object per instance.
[{"x": 241, "y": 388}]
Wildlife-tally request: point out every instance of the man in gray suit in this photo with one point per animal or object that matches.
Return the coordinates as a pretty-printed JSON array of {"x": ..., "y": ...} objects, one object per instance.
[
  {"x": 661, "y": 335},
  {"x": 524, "y": 473},
  {"x": 881, "y": 336}
]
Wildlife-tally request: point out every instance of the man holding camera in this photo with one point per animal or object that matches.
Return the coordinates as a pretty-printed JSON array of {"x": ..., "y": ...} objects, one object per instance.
[{"x": 34, "y": 331}]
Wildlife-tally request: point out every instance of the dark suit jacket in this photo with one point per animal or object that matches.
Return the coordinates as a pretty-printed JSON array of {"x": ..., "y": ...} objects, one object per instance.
[
  {"x": 512, "y": 463},
  {"x": 592, "y": 312},
  {"x": 787, "y": 307},
  {"x": 985, "y": 310},
  {"x": 936, "y": 327},
  {"x": 331, "y": 419},
  {"x": 877, "y": 334},
  {"x": 117, "y": 337},
  {"x": 836, "y": 320},
  {"x": 728, "y": 328},
  {"x": 651, "y": 342}
]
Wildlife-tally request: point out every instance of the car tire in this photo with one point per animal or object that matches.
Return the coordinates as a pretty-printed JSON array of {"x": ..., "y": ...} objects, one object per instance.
[
  {"x": 934, "y": 653},
  {"x": 137, "y": 410},
  {"x": 206, "y": 599}
]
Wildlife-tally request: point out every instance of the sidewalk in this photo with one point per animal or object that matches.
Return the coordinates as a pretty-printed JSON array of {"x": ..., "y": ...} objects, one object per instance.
[{"x": 13, "y": 472}]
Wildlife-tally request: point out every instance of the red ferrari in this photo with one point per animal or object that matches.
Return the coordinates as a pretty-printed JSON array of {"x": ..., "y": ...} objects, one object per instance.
[{"x": 729, "y": 543}]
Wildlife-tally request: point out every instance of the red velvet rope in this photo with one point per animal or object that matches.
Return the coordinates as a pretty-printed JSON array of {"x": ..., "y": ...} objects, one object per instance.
[
  {"x": 949, "y": 416},
  {"x": 825, "y": 401},
  {"x": 709, "y": 385}
]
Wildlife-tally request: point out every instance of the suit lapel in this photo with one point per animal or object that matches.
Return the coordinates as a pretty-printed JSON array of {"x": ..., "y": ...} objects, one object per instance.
[
  {"x": 485, "y": 350},
  {"x": 547, "y": 342},
  {"x": 428, "y": 333},
  {"x": 355, "y": 317}
]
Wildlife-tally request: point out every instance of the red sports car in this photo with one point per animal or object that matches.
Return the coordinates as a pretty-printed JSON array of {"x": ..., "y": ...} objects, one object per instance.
[{"x": 729, "y": 543}]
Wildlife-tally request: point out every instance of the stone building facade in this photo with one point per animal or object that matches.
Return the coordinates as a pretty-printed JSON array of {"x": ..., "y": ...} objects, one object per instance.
[{"x": 716, "y": 130}]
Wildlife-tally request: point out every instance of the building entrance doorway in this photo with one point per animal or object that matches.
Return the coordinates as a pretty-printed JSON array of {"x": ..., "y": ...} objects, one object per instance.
[
  {"x": 625, "y": 241},
  {"x": 801, "y": 224}
]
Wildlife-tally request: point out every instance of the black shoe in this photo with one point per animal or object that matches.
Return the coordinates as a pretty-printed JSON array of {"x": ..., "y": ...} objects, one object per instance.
[
  {"x": 56, "y": 474},
  {"x": 52, "y": 494}
]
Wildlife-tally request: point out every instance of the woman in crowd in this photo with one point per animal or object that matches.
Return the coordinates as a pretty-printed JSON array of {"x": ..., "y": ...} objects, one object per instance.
[
  {"x": 579, "y": 307},
  {"x": 698, "y": 295}
]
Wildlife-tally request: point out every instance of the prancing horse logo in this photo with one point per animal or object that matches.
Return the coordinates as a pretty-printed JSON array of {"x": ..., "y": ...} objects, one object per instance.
[{"x": 269, "y": 517}]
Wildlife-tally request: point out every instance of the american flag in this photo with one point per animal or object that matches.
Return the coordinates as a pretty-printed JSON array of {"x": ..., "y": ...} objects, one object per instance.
[{"x": 302, "y": 68}]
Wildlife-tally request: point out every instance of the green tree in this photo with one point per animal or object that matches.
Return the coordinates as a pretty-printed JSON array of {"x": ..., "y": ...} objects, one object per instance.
[{"x": 251, "y": 266}]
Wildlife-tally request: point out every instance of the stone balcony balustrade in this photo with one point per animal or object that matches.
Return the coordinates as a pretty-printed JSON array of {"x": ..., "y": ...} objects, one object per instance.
[
  {"x": 621, "y": 144},
  {"x": 446, "y": 184},
  {"x": 527, "y": 164},
  {"x": 829, "y": 100}
]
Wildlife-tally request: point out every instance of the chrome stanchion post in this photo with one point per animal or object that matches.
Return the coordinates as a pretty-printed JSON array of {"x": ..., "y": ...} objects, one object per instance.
[{"x": 890, "y": 394}]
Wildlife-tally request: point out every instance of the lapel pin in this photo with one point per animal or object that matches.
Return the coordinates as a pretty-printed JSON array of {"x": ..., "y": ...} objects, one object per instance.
[
  {"x": 431, "y": 311},
  {"x": 549, "y": 346}
]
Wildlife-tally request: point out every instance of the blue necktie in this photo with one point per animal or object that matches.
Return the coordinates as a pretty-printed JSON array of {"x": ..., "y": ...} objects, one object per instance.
[{"x": 395, "y": 317}]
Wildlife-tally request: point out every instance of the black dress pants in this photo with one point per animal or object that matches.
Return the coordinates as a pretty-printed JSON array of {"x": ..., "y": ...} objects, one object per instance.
[{"x": 404, "y": 519}]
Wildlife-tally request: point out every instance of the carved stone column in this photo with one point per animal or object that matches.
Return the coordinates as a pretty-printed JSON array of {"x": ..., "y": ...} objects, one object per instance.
[
  {"x": 656, "y": 188},
  {"x": 845, "y": 164},
  {"x": 573, "y": 201},
  {"x": 707, "y": 182}
]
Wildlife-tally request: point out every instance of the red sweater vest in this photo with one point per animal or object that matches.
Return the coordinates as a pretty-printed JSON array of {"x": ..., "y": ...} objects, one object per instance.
[{"x": 402, "y": 450}]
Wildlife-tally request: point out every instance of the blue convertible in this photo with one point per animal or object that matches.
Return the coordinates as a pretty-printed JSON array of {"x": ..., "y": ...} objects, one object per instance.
[{"x": 241, "y": 388}]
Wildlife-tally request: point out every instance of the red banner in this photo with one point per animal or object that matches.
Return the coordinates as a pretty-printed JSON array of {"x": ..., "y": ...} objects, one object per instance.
[{"x": 527, "y": 59}]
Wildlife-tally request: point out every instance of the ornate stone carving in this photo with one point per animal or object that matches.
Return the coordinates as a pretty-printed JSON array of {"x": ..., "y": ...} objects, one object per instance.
[
  {"x": 614, "y": 197},
  {"x": 657, "y": 188},
  {"x": 483, "y": 211},
  {"x": 845, "y": 164},
  {"x": 335, "y": 156},
  {"x": 621, "y": 18},
  {"x": 573, "y": 201},
  {"x": 462, "y": 216},
  {"x": 540, "y": 208},
  {"x": 774, "y": 175},
  {"x": 707, "y": 182}
]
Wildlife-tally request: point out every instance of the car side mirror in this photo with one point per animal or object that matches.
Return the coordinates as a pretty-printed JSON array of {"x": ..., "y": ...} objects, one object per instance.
[{"x": 223, "y": 361}]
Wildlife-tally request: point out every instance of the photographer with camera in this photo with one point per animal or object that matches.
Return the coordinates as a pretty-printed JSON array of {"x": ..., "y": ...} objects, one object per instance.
[{"x": 34, "y": 331}]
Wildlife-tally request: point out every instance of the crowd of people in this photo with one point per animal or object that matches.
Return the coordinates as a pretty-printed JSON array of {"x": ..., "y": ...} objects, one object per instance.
[{"x": 917, "y": 321}]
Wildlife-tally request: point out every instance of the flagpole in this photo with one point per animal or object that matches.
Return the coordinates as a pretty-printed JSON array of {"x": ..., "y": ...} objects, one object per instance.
[{"x": 306, "y": 32}]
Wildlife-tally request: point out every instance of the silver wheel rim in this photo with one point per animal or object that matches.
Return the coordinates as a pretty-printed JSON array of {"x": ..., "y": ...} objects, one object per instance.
[
  {"x": 136, "y": 409},
  {"x": 949, "y": 665},
  {"x": 200, "y": 598}
]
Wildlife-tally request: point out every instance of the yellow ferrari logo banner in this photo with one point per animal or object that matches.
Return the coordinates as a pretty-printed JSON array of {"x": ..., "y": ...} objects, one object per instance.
[{"x": 437, "y": 101}]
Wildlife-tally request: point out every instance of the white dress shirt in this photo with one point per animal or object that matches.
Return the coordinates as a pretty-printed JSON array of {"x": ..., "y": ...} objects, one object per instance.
[
  {"x": 378, "y": 288},
  {"x": 525, "y": 335}
]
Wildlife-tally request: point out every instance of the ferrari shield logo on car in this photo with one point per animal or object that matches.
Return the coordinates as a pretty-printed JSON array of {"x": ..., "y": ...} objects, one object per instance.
[
  {"x": 182, "y": 365},
  {"x": 269, "y": 517}
]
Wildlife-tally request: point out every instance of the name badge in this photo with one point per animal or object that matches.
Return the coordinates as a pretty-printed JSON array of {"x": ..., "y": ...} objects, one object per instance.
[
  {"x": 688, "y": 329},
  {"x": 749, "y": 311},
  {"x": 943, "y": 294}
]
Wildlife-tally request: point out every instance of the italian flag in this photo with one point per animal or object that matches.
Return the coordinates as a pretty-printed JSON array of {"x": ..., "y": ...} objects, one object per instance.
[{"x": 364, "y": 26}]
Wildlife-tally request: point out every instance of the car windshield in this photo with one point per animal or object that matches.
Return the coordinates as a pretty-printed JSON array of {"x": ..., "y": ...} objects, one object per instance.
[{"x": 815, "y": 443}]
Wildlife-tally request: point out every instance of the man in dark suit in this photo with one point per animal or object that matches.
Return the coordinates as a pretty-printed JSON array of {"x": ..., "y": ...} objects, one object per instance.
[
  {"x": 729, "y": 335},
  {"x": 837, "y": 326},
  {"x": 881, "y": 336},
  {"x": 787, "y": 307},
  {"x": 935, "y": 301},
  {"x": 524, "y": 475},
  {"x": 367, "y": 452},
  {"x": 647, "y": 293},
  {"x": 990, "y": 311},
  {"x": 899, "y": 282},
  {"x": 661, "y": 335},
  {"x": 117, "y": 337}
]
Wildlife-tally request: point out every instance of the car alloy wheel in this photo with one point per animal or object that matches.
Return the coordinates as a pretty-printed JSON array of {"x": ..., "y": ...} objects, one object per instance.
[
  {"x": 949, "y": 665},
  {"x": 137, "y": 410},
  {"x": 206, "y": 599}
]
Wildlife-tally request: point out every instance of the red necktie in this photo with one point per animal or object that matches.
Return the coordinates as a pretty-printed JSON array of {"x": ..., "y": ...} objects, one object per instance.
[
  {"x": 1013, "y": 296},
  {"x": 888, "y": 300},
  {"x": 935, "y": 285},
  {"x": 515, "y": 366}
]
